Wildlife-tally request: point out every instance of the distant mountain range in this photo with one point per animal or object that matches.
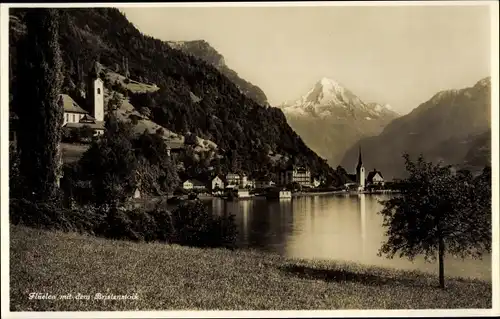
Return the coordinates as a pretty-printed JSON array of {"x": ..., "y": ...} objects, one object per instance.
[
  {"x": 454, "y": 127},
  {"x": 201, "y": 49},
  {"x": 330, "y": 119}
]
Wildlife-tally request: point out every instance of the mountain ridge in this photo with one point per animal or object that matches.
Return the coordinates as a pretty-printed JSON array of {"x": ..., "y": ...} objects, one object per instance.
[
  {"x": 444, "y": 128},
  {"x": 203, "y": 50}
]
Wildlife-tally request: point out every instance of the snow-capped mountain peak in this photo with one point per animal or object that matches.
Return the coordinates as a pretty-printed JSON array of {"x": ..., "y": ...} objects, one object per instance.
[{"x": 329, "y": 98}]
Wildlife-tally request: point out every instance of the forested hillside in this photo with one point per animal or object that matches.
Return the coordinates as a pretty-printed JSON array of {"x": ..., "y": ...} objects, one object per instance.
[
  {"x": 193, "y": 96},
  {"x": 203, "y": 50}
]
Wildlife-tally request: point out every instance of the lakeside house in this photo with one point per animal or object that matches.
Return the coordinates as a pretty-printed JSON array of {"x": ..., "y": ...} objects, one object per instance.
[
  {"x": 375, "y": 178},
  {"x": 193, "y": 184},
  {"x": 293, "y": 174},
  {"x": 217, "y": 182},
  {"x": 233, "y": 179}
]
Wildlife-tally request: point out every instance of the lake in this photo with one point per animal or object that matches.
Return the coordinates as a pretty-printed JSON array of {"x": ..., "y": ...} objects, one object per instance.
[{"x": 329, "y": 227}]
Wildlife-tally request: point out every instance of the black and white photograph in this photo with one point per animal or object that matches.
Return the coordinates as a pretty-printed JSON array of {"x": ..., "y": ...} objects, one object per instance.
[{"x": 175, "y": 159}]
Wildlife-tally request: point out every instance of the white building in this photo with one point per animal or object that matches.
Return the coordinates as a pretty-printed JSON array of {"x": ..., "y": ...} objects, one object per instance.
[
  {"x": 233, "y": 179},
  {"x": 187, "y": 185},
  {"x": 76, "y": 117},
  {"x": 294, "y": 174},
  {"x": 375, "y": 178},
  {"x": 217, "y": 182}
]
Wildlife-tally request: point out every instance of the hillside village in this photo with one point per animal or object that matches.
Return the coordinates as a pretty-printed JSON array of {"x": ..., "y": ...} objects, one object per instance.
[{"x": 88, "y": 123}]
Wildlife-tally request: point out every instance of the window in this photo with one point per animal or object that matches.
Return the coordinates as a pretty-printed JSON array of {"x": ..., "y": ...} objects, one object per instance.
[
  {"x": 74, "y": 118},
  {"x": 98, "y": 91},
  {"x": 67, "y": 117}
]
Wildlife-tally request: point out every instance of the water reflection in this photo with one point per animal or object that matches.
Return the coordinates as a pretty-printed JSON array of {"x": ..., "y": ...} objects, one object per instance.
[{"x": 328, "y": 227}]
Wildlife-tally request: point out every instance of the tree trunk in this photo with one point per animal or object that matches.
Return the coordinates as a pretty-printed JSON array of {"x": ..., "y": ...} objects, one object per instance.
[{"x": 441, "y": 262}]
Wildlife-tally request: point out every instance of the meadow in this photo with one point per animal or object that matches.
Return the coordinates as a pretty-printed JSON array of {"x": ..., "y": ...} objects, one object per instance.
[{"x": 173, "y": 277}]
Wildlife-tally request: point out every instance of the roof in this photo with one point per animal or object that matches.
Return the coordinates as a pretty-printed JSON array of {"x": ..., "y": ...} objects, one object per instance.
[
  {"x": 87, "y": 118},
  {"x": 372, "y": 174},
  {"x": 222, "y": 178},
  {"x": 70, "y": 105},
  {"x": 95, "y": 126}
]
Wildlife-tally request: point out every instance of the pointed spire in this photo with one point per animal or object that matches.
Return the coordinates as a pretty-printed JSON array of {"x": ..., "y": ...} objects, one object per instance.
[{"x": 360, "y": 160}]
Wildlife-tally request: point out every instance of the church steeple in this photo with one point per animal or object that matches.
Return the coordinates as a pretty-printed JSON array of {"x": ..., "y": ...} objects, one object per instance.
[{"x": 360, "y": 160}]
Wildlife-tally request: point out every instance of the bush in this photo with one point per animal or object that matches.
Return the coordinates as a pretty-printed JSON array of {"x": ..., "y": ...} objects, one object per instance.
[
  {"x": 52, "y": 215},
  {"x": 194, "y": 225},
  {"x": 189, "y": 224}
]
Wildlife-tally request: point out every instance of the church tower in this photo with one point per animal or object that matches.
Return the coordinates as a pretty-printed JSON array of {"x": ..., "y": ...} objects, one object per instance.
[
  {"x": 95, "y": 93},
  {"x": 360, "y": 171}
]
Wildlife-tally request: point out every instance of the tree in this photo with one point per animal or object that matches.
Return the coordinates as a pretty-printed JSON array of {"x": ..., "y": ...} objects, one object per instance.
[
  {"x": 40, "y": 116},
  {"x": 156, "y": 167},
  {"x": 110, "y": 164},
  {"x": 145, "y": 111},
  {"x": 438, "y": 212}
]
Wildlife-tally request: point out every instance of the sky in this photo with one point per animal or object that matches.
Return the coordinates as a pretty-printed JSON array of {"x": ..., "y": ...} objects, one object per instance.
[{"x": 396, "y": 55}]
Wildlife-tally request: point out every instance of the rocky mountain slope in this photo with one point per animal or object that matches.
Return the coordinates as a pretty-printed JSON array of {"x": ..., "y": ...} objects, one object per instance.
[
  {"x": 330, "y": 118},
  {"x": 454, "y": 127},
  {"x": 204, "y": 51},
  {"x": 192, "y": 96}
]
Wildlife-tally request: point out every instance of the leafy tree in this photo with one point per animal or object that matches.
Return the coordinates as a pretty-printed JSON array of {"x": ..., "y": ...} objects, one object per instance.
[
  {"x": 157, "y": 167},
  {"x": 145, "y": 111},
  {"x": 438, "y": 212},
  {"x": 40, "y": 116},
  {"x": 110, "y": 164},
  {"x": 115, "y": 102}
]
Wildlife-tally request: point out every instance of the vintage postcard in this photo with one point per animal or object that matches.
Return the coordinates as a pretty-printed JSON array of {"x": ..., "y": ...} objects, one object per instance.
[{"x": 302, "y": 159}]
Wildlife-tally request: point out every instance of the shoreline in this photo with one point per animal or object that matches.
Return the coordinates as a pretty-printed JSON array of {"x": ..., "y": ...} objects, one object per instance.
[{"x": 262, "y": 196}]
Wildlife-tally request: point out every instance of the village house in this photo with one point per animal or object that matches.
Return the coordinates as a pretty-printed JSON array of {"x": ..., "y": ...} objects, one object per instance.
[
  {"x": 233, "y": 179},
  {"x": 245, "y": 182},
  {"x": 300, "y": 175},
  {"x": 375, "y": 178},
  {"x": 217, "y": 182},
  {"x": 188, "y": 185},
  {"x": 193, "y": 184}
]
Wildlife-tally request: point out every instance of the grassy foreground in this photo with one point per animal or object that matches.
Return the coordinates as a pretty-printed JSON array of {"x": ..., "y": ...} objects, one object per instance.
[{"x": 171, "y": 277}]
